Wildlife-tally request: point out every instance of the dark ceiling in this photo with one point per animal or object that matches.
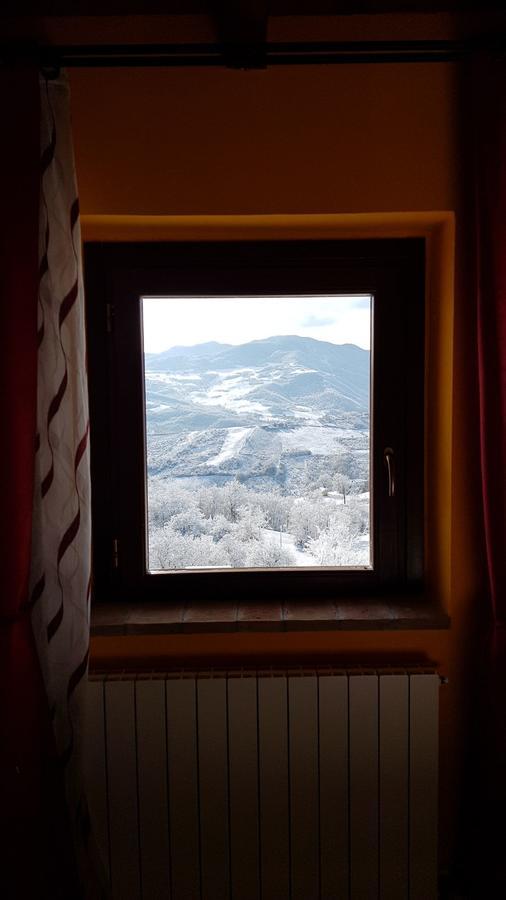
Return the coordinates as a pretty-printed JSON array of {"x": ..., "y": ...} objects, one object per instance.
[
  {"x": 239, "y": 27},
  {"x": 273, "y": 7}
]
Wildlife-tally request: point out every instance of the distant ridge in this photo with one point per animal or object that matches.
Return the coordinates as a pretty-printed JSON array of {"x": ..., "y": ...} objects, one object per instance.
[
  {"x": 199, "y": 350},
  {"x": 277, "y": 381},
  {"x": 320, "y": 355}
]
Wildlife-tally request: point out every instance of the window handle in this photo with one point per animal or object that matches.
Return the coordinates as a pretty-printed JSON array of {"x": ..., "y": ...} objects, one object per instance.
[{"x": 388, "y": 456}]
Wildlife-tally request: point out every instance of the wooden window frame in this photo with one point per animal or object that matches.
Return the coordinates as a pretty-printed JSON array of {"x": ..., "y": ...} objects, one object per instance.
[{"x": 117, "y": 275}]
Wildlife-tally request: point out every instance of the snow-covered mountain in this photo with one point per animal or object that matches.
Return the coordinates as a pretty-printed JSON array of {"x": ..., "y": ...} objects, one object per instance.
[
  {"x": 264, "y": 410},
  {"x": 272, "y": 380}
]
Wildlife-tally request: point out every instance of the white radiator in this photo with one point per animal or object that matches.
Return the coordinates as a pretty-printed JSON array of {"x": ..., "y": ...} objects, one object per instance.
[{"x": 297, "y": 785}]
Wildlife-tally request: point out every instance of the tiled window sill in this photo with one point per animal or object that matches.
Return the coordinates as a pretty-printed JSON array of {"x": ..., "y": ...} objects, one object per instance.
[{"x": 321, "y": 615}]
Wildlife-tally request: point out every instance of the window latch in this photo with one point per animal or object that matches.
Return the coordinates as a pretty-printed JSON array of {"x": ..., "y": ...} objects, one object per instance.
[{"x": 388, "y": 456}]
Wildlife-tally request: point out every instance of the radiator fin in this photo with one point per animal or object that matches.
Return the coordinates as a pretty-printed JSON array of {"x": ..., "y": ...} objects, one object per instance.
[
  {"x": 122, "y": 781},
  {"x": 95, "y": 767},
  {"x": 152, "y": 788},
  {"x": 393, "y": 787},
  {"x": 243, "y": 769},
  {"x": 182, "y": 768},
  {"x": 303, "y": 785},
  {"x": 304, "y": 793},
  {"x": 274, "y": 788},
  {"x": 213, "y": 788},
  {"x": 334, "y": 806},
  {"x": 423, "y": 786},
  {"x": 363, "y": 736}
]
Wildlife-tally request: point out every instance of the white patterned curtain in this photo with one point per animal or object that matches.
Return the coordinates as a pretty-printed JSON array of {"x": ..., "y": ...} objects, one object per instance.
[{"x": 61, "y": 538}]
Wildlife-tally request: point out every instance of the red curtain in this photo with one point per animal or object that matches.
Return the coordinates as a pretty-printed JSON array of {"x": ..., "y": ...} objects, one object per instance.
[
  {"x": 35, "y": 850},
  {"x": 490, "y": 177},
  {"x": 485, "y": 859}
]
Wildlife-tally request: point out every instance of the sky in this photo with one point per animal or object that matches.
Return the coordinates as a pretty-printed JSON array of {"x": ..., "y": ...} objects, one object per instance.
[{"x": 186, "y": 321}]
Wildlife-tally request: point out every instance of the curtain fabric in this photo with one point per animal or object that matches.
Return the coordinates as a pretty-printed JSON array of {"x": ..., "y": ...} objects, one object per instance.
[
  {"x": 61, "y": 567},
  {"x": 490, "y": 180},
  {"x": 487, "y": 768},
  {"x": 36, "y": 855},
  {"x": 60, "y": 577},
  {"x": 45, "y": 510}
]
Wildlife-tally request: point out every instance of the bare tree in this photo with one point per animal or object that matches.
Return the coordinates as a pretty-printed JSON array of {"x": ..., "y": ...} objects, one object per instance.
[{"x": 342, "y": 484}]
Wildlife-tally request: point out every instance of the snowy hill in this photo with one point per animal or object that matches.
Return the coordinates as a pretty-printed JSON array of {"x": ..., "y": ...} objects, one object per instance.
[
  {"x": 269, "y": 410},
  {"x": 273, "y": 380}
]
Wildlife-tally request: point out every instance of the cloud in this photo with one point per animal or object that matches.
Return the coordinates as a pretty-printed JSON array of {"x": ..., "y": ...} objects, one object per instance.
[
  {"x": 313, "y": 321},
  {"x": 361, "y": 303}
]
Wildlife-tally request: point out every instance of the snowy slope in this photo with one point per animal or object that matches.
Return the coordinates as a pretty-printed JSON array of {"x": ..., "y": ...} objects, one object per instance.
[{"x": 272, "y": 409}]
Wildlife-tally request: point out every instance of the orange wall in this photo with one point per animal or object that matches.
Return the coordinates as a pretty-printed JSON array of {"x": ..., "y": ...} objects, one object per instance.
[
  {"x": 325, "y": 151},
  {"x": 308, "y": 139}
]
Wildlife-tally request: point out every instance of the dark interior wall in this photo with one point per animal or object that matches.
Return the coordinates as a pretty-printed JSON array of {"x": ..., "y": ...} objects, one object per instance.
[
  {"x": 348, "y": 141},
  {"x": 364, "y": 149}
]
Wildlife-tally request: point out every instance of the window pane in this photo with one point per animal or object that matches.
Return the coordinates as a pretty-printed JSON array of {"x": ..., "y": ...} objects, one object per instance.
[{"x": 257, "y": 417}]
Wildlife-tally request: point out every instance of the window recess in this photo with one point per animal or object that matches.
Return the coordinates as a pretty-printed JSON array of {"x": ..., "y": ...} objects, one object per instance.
[{"x": 256, "y": 418}]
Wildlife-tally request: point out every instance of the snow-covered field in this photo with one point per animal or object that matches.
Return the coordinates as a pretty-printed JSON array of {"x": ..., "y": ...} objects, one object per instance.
[
  {"x": 232, "y": 444},
  {"x": 317, "y": 439}
]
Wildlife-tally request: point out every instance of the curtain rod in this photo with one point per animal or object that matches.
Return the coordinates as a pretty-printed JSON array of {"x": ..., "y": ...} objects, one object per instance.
[{"x": 249, "y": 56}]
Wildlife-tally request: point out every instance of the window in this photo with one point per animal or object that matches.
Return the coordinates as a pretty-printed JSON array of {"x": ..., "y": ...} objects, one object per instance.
[
  {"x": 257, "y": 450},
  {"x": 257, "y": 417}
]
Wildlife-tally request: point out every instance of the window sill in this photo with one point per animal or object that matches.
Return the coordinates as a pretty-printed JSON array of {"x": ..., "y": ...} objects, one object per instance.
[{"x": 110, "y": 619}]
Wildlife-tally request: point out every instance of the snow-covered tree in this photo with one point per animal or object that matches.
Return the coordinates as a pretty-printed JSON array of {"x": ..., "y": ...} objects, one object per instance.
[
  {"x": 219, "y": 526},
  {"x": 251, "y": 521},
  {"x": 270, "y": 556},
  {"x": 166, "y": 499},
  {"x": 231, "y": 497},
  {"x": 342, "y": 484},
  {"x": 208, "y": 501},
  {"x": 345, "y": 462},
  {"x": 169, "y": 549},
  {"x": 307, "y": 518},
  {"x": 189, "y": 521},
  {"x": 277, "y": 509},
  {"x": 236, "y": 551},
  {"x": 337, "y": 544}
]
